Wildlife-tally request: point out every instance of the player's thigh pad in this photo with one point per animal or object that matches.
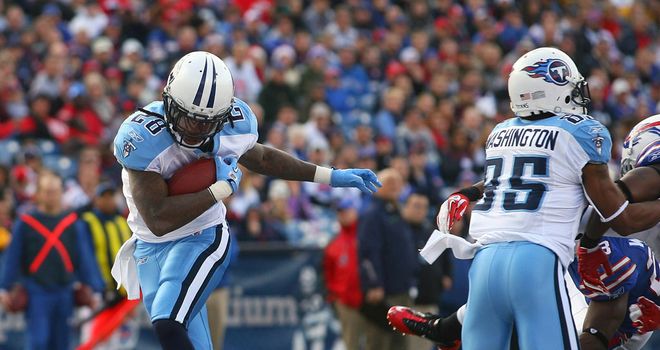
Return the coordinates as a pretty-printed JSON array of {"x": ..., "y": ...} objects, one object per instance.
[
  {"x": 540, "y": 299},
  {"x": 177, "y": 277}
]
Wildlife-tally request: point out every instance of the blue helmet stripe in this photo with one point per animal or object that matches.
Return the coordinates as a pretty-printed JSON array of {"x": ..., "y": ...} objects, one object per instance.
[
  {"x": 200, "y": 88},
  {"x": 212, "y": 95}
]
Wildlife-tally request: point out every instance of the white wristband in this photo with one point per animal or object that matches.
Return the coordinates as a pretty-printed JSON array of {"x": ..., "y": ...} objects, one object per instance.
[
  {"x": 322, "y": 175},
  {"x": 220, "y": 190}
]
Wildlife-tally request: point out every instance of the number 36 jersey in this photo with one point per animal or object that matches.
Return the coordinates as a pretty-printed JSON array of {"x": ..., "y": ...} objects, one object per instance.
[
  {"x": 533, "y": 186},
  {"x": 143, "y": 143}
]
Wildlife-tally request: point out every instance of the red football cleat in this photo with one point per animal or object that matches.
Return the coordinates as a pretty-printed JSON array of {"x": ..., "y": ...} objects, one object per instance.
[{"x": 408, "y": 321}]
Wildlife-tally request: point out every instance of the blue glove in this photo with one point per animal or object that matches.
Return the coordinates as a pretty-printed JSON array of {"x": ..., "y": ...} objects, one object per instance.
[
  {"x": 363, "y": 179},
  {"x": 227, "y": 170}
]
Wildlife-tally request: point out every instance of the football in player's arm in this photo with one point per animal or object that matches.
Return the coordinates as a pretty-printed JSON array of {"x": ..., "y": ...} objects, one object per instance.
[{"x": 163, "y": 213}]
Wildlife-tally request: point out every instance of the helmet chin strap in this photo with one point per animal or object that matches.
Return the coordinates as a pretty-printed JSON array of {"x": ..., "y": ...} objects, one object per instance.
[{"x": 180, "y": 140}]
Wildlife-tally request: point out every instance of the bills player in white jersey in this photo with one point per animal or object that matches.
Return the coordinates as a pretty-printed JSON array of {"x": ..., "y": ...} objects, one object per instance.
[
  {"x": 539, "y": 167},
  {"x": 179, "y": 249}
]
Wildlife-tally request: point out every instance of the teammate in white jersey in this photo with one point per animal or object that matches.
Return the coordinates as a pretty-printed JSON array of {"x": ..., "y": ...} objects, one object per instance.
[
  {"x": 608, "y": 322},
  {"x": 179, "y": 248},
  {"x": 539, "y": 166}
]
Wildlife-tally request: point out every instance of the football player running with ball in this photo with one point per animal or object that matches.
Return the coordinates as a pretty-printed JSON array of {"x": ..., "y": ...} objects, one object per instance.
[
  {"x": 541, "y": 168},
  {"x": 179, "y": 250}
]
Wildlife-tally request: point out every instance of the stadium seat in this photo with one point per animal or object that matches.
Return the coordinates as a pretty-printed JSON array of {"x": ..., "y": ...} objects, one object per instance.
[{"x": 8, "y": 150}]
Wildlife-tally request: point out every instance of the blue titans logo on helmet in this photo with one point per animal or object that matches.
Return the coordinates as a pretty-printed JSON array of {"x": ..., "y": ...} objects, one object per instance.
[{"x": 552, "y": 71}]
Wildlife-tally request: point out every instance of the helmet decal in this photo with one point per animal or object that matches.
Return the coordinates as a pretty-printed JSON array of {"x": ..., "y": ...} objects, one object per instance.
[
  {"x": 200, "y": 88},
  {"x": 212, "y": 95},
  {"x": 650, "y": 155},
  {"x": 633, "y": 137},
  {"x": 553, "y": 71}
]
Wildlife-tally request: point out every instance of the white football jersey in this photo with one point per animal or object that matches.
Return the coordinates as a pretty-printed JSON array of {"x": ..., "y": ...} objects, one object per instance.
[
  {"x": 533, "y": 181},
  {"x": 143, "y": 143}
]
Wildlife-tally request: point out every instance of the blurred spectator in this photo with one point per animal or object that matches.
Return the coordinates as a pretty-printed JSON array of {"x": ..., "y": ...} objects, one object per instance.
[
  {"x": 95, "y": 87},
  {"x": 257, "y": 228},
  {"x": 341, "y": 30},
  {"x": 6, "y": 205},
  {"x": 414, "y": 132},
  {"x": 107, "y": 231},
  {"x": 313, "y": 71},
  {"x": 318, "y": 15},
  {"x": 391, "y": 113},
  {"x": 89, "y": 18},
  {"x": 132, "y": 52},
  {"x": 275, "y": 94},
  {"x": 424, "y": 176},
  {"x": 319, "y": 125},
  {"x": 103, "y": 55},
  {"x": 246, "y": 82},
  {"x": 25, "y": 174},
  {"x": 382, "y": 234},
  {"x": 342, "y": 278},
  {"x": 39, "y": 123},
  {"x": 80, "y": 192},
  {"x": 429, "y": 278},
  {"x": 247, "y": 195},
  {"x": 50, "y": 80},
  {"x": 622, "y": 102},
  {"x": 48, "y": 274}
]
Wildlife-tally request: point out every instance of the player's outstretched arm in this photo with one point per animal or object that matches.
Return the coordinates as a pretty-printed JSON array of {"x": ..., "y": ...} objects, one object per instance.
[
  {"x": 270, "y": 161},
  {"x": 638, "y": 185},
  {"x": 612, "y": 205},
  {"x": 602, "y": 320},
  {"x": 161, "y": 213}
]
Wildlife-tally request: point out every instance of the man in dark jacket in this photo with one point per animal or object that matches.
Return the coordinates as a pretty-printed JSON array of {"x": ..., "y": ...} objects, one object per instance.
[
  {"x": 48, "y": 252},
  {"x": 430, "y": 278},
  {"x": 388, "y": 260}
]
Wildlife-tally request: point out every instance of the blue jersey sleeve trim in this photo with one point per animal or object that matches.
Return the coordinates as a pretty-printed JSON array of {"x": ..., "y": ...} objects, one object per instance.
[
  {"x": 135, "y": 146},
  {"x": 595, "y": 140},
  {"x": 245, "y": 122}
]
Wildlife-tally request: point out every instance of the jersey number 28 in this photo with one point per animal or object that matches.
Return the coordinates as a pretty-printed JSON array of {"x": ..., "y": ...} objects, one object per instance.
[{"x": 532, "y": 191}]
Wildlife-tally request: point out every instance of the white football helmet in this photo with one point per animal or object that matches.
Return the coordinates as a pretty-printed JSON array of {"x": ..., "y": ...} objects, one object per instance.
[
  {"x": 547, "y": 80},
  {"x": 198, "y": 98},
  {"x": 642, "y": 145}
]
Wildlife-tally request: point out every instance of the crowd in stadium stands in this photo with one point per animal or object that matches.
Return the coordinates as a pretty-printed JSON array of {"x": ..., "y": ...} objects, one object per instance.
[{"x": 413, "y": 85}]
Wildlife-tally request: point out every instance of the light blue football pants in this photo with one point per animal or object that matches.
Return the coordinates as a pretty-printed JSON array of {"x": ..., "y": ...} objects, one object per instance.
[
  {"x": 178, "y": 276},
  {"x": 521, "y": 285}
]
